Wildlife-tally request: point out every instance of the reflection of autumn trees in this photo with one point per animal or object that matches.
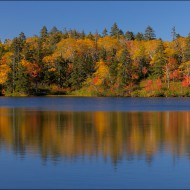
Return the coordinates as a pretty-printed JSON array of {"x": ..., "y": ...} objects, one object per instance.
[{"x": 110, "y": 134}]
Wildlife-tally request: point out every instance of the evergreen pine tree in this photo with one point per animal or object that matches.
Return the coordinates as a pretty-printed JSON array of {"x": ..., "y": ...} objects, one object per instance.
[
  {"x": 90, "y": 36},
  {"x": 82, "y": 34},
  {"x": 43, "y": 33},
  {"x": 105, "y": 32},
  {"x": 54, "y": 30},
  {"x": 159, "y": 60},
  {"x": 139, "y": 36},
  {"x": 129, "y": 36},
  {"x": 149, "y": 33},
  {"x": 173, "y": 33},
  {"x": 22, "y": 36},
  {"x": 115, "y": 31},
  {"x": 124, "y": 71}
]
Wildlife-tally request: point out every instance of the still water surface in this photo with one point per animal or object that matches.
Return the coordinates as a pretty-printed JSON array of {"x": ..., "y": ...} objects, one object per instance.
[{"x": 94, "y": 143}]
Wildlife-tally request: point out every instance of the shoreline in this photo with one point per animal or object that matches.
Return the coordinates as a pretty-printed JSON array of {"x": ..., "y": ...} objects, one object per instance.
[{"x": 93, "y": 96}]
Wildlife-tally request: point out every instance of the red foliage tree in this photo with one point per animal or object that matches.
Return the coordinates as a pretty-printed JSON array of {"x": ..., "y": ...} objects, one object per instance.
[
  {"x": 159, "y": 83},
  {"x": 149, "y": 85},
  {"x": 144, "y": 71},
  {"x": 186, "y": 81},
  {"x": 175, "y": 75}
]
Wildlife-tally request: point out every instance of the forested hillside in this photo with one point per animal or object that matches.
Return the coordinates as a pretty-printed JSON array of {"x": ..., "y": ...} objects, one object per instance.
[{"x": 114, "y": 63}]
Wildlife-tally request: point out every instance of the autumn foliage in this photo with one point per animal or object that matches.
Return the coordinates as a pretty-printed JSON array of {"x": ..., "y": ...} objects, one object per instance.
[{"x": 106, "y": 65}]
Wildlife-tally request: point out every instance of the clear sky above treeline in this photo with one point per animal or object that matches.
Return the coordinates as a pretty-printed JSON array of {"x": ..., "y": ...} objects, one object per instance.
[{"x": 29, "y": 17}]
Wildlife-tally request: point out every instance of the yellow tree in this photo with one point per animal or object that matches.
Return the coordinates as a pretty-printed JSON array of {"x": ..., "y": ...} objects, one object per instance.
[
  {"x": 151, "y": 47},
  {"x": 185, "y": 71},
  {"x": 66, "y": 48},
  {"x": 108, "y": 47},
  {"x": 4, "y": 67},
  {"x": 98, "y": 79}
]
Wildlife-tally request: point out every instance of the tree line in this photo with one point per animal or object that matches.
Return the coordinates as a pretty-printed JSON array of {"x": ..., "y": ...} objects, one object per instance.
[{"x": 70, "y": 62}]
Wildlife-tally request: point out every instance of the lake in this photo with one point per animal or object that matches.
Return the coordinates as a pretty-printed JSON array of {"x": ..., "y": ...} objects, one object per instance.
[{"x": 77, "y": 142}]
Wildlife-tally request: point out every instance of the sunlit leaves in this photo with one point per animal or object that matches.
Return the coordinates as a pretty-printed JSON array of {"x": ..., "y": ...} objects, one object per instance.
[
  {"x": 186, "y": 81},
  {"x": 101, "y": 73},
  {"x": 110, "y": 65},
  {"x": 4, "y": 67},
  {"x": 185, "y": 68},
  {"x": 109, "y": 44},
  {"x": 70, "y": 48},
  {"x": 32, "y": 69}
]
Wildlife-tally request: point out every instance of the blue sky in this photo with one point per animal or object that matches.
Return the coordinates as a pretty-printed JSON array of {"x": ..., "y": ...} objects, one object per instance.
[{"x": 29, "y": 17}]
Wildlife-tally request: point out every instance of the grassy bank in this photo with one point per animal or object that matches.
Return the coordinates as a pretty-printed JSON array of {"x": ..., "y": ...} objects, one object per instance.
[{"x": 153, "y": 89}]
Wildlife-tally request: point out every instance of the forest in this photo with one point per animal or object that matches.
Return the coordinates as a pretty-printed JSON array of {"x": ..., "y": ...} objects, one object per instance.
[{"x": 111, "y": 63}]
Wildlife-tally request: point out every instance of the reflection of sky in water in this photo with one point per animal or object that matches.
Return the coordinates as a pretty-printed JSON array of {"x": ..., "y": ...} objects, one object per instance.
[
  {"x": 31, "y": 172},
  {"x": 97, "y": 104},
  {"x": 80, "y": 149}
]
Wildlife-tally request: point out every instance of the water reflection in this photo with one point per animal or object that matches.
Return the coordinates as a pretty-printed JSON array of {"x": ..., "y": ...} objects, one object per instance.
[{"x": 113, "y": 135}]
